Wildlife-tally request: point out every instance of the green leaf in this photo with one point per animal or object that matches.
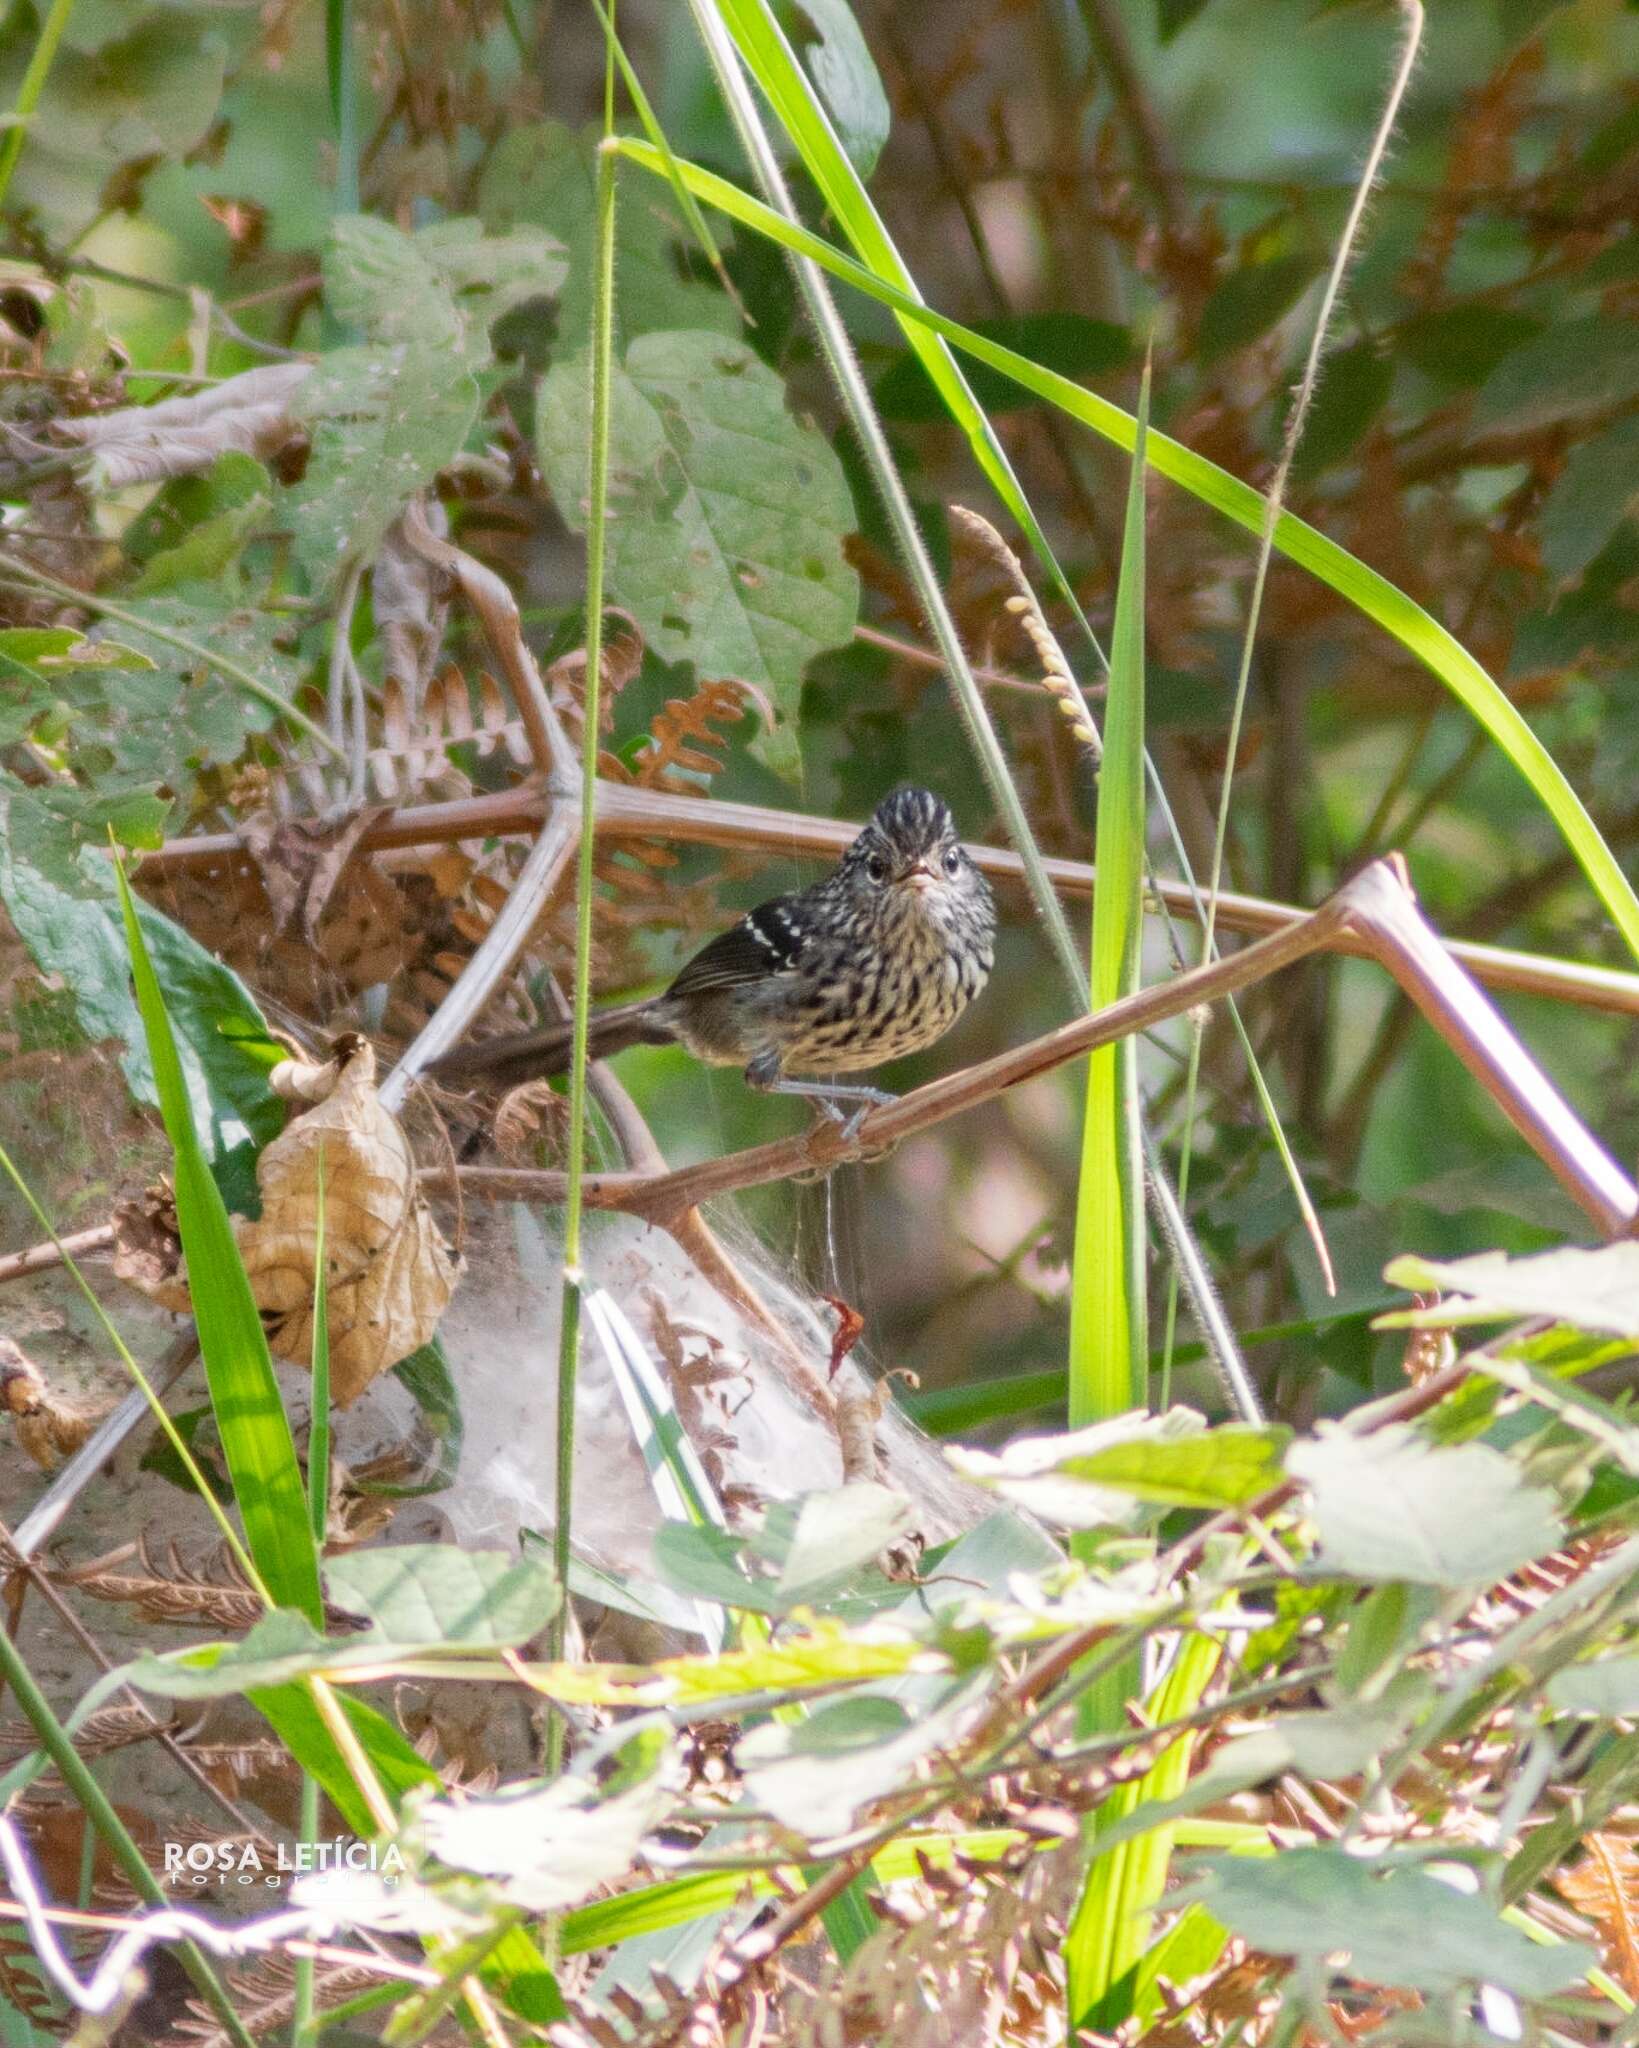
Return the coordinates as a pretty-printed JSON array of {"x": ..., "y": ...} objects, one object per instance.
[
  {"x": 835, "y": 1535},
  {"x": 1070, "y": 343},
  {"x": 250, "y": 1415},
  {"x": 812, "y": 1548},
  {"x": 815, "y": 1775},
  {"x": 726, "y": 516},
  {"x": 150, "y": 90},
  {"x": 789, "y": 92},
  {"x": 704, "y": 1561},
  {"x": 150, "y": 707},
  {"x": 1571, "y": 368},
  {"x": 1249, "y": 302},
  {"x": 1415, "y": 629},
  {"x": 545, "y": 176},
  {"x": 283, "y": 1645},
  {"x": 290, "y": 1712},
  {"x": 552, "y": 1845},
  {"x": 1354, "y": 389},
  {"x": 1396, "y": 1924},
  {"x": 1110, "y": 1928},
  {"x": 1593, "y": 494},
  {"x": 387, "y": 416},
  {"x": 1109, "y": 1362},
  {"x": 384, "y": 421},
  {"x": 438, "y": 1593},
  {"x": 1216, "y": 1468},
  {"x": 838, "y": 60},
  {"x": 1464, "y": 345},
  {"x": 72, "y": 926},
  {"x": 1170, "y": 17},
  {"x": 1605, "y": 1686},
  {"x": 1594, "y": 1289},
  {"x": 236, "y": 497},
  {"x": 1092, "y": 1477},
  {"x": 188, "y": 502},
  {"x": 1392, "y": 1505}
]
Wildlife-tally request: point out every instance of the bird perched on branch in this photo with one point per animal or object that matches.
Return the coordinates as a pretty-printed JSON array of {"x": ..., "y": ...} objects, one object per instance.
[{"x": 877, "y": 960}]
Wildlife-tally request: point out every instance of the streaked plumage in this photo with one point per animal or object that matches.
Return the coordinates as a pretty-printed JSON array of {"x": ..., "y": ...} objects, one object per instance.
[{"x": 877, "y": 960}]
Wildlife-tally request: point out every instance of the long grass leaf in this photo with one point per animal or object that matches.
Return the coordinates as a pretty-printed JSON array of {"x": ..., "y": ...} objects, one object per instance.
[
  {"x": 801, "y": 112},
  {"x": 1108, "y": 1343},
  {"x": 250, "y": 1415},
  {"x": 1110, "y": 1928},
  {"x": 1373, "y": 595}
]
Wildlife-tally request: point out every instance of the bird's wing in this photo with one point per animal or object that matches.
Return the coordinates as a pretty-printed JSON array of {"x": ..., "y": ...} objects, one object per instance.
[{"x": 766, "y": 941}]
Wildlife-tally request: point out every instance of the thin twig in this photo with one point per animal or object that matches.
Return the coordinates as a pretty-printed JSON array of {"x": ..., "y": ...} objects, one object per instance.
[{"x": 40, "y": 1258}]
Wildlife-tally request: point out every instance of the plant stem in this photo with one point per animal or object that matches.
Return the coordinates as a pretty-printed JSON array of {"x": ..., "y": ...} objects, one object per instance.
[
  {"x": 573, "y": 1274},
  {"x": 28, "y": 93}
]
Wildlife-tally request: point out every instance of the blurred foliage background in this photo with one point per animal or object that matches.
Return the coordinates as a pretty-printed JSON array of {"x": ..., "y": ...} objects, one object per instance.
[{"x": 1083, "y": 182}]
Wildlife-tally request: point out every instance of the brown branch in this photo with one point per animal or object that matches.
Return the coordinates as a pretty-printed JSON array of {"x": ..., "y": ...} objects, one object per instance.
[
  {"x": 40, "y": 1258},
  {"x": 1376, "y": 909},
  {"x": 628, "y": 813},
  {"x": 497, "y": 611}
]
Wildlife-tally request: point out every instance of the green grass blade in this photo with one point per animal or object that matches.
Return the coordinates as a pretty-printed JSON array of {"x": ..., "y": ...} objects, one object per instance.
[
  {"x": 101, "y": 1817},
  {"x": 1373, "y": 595},
  {"x": 338, "y": 52},
  {"x": 801, "y": 112},
  {"x": 32, "y": 85},
  {"x": 250, "y": 1415},
  {"x": 1110, "y": 1928},
  {"x": 318, "y": 1429},
  {"x": 1108, "y": 1341}
]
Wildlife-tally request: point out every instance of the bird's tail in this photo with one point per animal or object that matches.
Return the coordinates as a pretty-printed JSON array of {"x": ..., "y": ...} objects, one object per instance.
[{"x": 531, "y": 1055}]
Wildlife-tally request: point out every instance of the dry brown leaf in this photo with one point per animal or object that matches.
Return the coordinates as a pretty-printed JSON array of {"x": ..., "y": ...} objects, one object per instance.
[
  {"x": 148, "y": 1246},
  {"x": 146, "y": 444},
  {"x": 49, "y": 1424},
  {"x": 390, "y": 1273},
  {"x": 301, "y": 861}
]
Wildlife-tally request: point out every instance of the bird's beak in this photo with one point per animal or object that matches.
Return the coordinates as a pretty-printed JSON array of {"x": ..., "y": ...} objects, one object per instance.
[{"x": 920, "y": 878}]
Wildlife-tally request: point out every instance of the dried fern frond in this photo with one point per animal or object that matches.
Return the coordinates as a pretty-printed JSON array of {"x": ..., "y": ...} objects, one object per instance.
[
  {"x": 265, "y": 1997},
  {"x": 211, "y": 1593}
]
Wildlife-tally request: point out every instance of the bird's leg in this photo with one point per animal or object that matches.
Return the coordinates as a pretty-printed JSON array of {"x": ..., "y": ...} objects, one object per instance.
[{"x": 764, "y": 1073}]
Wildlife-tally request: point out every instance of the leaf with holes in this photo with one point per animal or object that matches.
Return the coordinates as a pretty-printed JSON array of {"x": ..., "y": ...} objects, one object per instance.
[{"x": 726, "y": 515}]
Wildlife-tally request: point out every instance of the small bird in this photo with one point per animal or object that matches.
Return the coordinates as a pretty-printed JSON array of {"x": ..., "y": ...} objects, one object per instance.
[{"x": 877, "y": 960}]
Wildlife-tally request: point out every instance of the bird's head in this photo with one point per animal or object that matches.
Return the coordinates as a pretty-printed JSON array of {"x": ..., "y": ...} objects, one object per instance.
[{"x": 910, "y": 856}]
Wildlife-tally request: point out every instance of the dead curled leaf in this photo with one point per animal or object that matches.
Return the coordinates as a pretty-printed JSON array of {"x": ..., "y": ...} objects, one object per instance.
[{"x": 389, "y": 1272}]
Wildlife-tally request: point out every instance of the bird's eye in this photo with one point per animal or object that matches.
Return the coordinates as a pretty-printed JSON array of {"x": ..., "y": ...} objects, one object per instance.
[
  {"x": 953, "y": 861},
  {"x": 877, "y": 868}
]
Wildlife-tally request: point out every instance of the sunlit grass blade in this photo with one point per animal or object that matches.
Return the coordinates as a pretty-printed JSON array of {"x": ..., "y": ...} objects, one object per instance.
[
  {"x": 250, "y": 1415},
  {"x": 1373, "y": 595},
  {"x": 769, "y": 57},
  {"x": 302, "y": 2030},
  {"x": 1110, "y": 1928},
  {"x": 1108, "y": 1341}
]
